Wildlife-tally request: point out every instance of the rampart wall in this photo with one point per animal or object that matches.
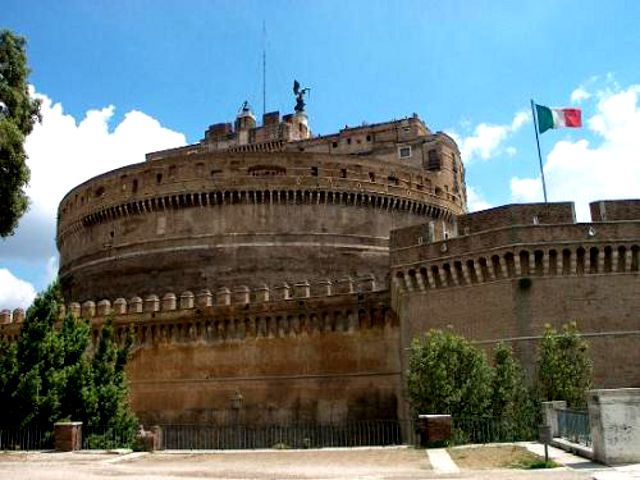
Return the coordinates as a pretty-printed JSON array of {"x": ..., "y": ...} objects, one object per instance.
[
  {"x": 299, "y": 353},
  {"x": 505, "y": 283}
]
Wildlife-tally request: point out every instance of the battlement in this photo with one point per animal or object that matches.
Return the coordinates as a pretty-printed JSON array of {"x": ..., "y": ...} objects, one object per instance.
[
  {"x": 516, "y": 214},
  {"x": 516, "y": 241},
  {"x": 235, "y": 297},
  {"x": 231, "y": 315},
  {"x": 615, "y": 210}
]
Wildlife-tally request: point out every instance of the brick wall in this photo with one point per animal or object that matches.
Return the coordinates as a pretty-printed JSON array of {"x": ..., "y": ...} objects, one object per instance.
[
  {"x": 615, "y": 210},
  {"x": 603, "y": 306}
]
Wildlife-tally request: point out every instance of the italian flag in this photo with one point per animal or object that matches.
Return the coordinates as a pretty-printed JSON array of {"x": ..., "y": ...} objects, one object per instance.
[{"x": 558, "y": 118}]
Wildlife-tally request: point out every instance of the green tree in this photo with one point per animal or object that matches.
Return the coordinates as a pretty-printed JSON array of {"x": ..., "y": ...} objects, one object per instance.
[
  {"x": 564, "y": 366},
  {"x": 108, "y": 402},
  {"x": 511, "y": 399},
  {"x": 52, "y": 372},
  {"x": 18, "y": 113},
  {"x": 448, "y": 375}
]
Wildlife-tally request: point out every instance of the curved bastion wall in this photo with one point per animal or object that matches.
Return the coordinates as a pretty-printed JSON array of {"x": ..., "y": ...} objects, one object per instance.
[
  {"x": 195, "y": 219},
  {"x": 516, "y": 268},
  {"x": 311, "y": 352}
]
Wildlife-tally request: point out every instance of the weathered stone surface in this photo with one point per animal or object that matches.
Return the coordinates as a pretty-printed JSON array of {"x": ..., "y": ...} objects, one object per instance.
[{"x": 614, "y": 416}]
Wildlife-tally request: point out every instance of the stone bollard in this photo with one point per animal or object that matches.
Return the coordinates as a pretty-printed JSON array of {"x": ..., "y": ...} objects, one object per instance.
[
  {"x": 284, "y": 292},
  {"x": 302, "y": 290},
  {"x": 157, "y": 437},
  {"x": 434, "y": 429},
  {"x": 67, "y": 436},
  {"x": 104, "y": 308},
  {"x": 151, "y": 303},
  {"x": 88, "y": 309},
  {"x": 187, "y": 300},
  {"x": 367, "y": 283},
  {"x": 325, "y": 288},
  {"x": 550, "y": 415},
  {"x": 120, "y": 306},
  {"x": 614, "y": 416},
  {"x": 18, "y": 315},
  {"x": 169, "y": 301},
  {"x": 262, "y": 294},
  {"x": 150, "y": 440},
  {"x": 135, "y": 305},
  {"x": 204, "y": 298},
  {"x": 223, "y": 296},
  {"x": 75, "y": 309},
  {"x": 242, "y": 295}
]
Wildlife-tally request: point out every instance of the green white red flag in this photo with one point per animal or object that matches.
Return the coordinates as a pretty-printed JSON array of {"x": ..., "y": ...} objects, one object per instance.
[{"x": 549, "y": 118}]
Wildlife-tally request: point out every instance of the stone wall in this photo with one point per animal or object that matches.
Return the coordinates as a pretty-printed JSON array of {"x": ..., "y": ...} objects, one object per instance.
[
  {"x": 213, "y": 220},
  {"x": 304, "y": 359},
  {"x": 306, "y": 352},
  {"x": 506, "y": 283}
]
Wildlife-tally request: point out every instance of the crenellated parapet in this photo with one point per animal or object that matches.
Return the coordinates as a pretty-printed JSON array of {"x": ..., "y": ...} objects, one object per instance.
[
  {"x": 243, "y": 313},
  {"x": 517, "y": 241},
  {"x": 235, "y": 297},
  {"x": 344, "y": 305}
]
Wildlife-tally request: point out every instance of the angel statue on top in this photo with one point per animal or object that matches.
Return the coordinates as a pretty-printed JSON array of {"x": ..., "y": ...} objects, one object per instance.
[{"x": 299, "y": 93}]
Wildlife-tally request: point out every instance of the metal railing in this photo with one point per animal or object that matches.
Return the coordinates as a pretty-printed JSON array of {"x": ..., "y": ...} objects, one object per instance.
[
  {"x": 573, "y": 425},
  {"x": 107, "y": 437},
  {"x": 32, "y": 438},
  {"x": 366, "y": 433},
  {"x": 485, "y": 429}
]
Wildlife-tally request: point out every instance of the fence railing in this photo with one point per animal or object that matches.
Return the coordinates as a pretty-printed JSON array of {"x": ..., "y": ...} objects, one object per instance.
[
  {"x": 32, "y": 438},
  {"x": 470, "y": 429},
  {"x": 573, "y": 425},
  {"x": 368, "y": 433},
  {"x": 107, "y": 437}
]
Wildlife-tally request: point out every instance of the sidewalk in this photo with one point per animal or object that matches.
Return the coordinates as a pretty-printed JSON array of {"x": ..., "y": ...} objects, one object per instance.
[{"x": 600, "y": 472}]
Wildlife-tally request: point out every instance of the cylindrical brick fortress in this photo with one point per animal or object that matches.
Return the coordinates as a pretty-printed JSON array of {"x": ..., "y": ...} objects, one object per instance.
[{"x": 194, "y": 220}]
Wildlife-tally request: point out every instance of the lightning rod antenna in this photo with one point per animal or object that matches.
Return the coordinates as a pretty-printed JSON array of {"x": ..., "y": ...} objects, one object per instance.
[{"x": 264, "y": 68}]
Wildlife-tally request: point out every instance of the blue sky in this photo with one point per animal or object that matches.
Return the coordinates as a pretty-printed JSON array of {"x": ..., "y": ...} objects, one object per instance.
[{"x": 119, "y": 78}]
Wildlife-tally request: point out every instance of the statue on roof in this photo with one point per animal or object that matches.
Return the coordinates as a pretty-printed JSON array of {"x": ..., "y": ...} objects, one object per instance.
[{"x": 299, "y": 93}]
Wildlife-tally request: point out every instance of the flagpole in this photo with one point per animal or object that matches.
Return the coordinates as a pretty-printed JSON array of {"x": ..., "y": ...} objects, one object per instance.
[{"x": 535, "y": 126}]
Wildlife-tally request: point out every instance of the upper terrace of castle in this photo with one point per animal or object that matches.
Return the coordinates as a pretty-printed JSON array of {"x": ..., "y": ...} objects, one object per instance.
[{"x": 407, "y": 141}]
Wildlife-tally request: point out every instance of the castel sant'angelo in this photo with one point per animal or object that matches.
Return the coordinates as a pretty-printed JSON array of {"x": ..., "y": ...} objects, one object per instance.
[{"x": 282, "y": 275}]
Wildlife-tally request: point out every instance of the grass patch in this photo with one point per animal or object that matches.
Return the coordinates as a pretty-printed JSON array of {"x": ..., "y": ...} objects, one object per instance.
[
  {"x": 533, "y": 463},
  {"x": 497, "y": 456}
]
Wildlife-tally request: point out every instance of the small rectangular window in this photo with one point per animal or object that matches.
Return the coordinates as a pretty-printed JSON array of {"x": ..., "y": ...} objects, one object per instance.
[
  {"x": 343, "y": 173},
  {"x": 334, "y": 144},
  {"x": 404, "y": 152},
  {"x": 433, "y": 162},
  {"x": 372, "y": 177},
  {"x": 314, "y": 171}
]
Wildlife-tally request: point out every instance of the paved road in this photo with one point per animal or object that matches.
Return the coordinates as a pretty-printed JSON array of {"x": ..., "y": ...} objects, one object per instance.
[{"x": 351, "y": 464}]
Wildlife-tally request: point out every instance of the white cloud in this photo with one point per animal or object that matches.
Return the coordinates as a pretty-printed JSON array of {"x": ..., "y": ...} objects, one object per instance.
[
  {"x": 580, "y": 94},
  {"x": 14, "y": 292},
  {"x": 488, "y": 140},
  {"x": 64, "y": 152},
  {"x": 584, "y": 171},
  {"x": 51, "y": 270},
  {"x": 526, "y": 190},
  {"x": 475, "y": 200}
]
